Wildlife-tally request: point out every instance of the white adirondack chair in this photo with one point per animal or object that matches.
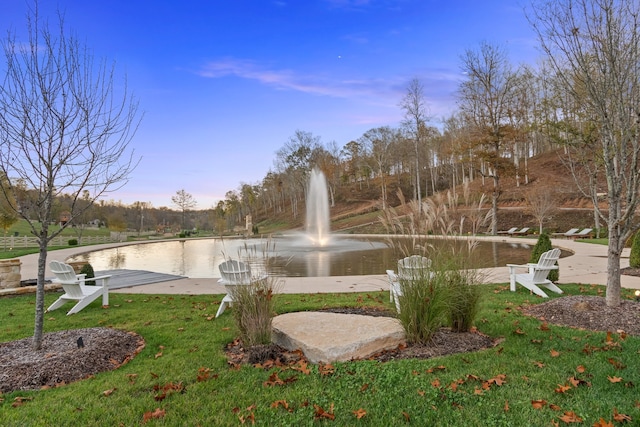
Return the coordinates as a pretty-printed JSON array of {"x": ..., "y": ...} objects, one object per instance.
[
  {"x": 414, "y": 267},
  {"x": 232, "y": 273},
  {"x": 509, "y": 231},
  {"x": 537, "y": 274},
  {"x": 75, "y": 288}
]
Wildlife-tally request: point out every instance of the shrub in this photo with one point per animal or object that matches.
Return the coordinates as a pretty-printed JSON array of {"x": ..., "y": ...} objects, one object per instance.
[
  {"x": 88, "y": 270},
  {"x": 73, "y": 242},
  {"x": 543, "y": 245},
  {"x": 634, "y": 256},
  {"x": 253, "y": 310},
  {"x": 424, "y": 305},
  {"x": 464, "y": 299}
]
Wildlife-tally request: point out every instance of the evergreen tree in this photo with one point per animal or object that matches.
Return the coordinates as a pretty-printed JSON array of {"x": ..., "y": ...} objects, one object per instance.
[
  {"x": 634, "y": 257},
  {"x": 543, "y": 245}
]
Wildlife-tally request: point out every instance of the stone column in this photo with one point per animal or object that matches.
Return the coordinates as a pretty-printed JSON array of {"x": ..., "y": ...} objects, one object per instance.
[{"x": 10, "y": 273}]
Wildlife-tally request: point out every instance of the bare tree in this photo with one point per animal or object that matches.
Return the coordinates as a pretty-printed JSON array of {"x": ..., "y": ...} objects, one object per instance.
[
  {"x": 486, "y": 98},
  {"x": 415, "y": 119},
  {"x": 185, "y": 202},
  {"x": 378, "y": 143},
  {"x": 541, "y": 204},
  {"x": 66, "y": 128},
  {"x": 593, "y": 46},
  {"x": 294, "y": 160}
]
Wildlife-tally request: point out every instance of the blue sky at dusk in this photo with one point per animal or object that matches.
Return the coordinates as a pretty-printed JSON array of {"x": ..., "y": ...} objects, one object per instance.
[{"x": 224, "y": 84}]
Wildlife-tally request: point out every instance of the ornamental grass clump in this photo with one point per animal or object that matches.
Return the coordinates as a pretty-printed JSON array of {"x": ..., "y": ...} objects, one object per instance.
[
  {"x": 253, "y": 304},
  {"x": 253, "y": 310},
  {"x": 424, "y": 306},
  {"x": 464, "y": 299},
  {"x": 446, "y": 292}
]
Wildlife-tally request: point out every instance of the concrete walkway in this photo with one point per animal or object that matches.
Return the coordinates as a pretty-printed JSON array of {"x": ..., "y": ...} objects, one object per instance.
[{"x": 587, "y": 265}]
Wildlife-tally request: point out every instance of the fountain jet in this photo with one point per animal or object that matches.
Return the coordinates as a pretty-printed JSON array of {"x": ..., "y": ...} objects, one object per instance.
[{"x": 317, "y": 220}]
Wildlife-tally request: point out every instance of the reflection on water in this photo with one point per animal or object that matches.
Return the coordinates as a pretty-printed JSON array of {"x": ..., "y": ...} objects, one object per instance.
[{"x": 346, "y": 256}]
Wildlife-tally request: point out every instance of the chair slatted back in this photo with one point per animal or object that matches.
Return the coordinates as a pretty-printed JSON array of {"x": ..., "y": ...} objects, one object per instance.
[
  {"x": 547, "y": 259},
  {"x": 414, "y": 267},
  {"x": 64, "y": 272},
  {"x": 235, "y": 272},
  {"x": 67, "y": 277}
]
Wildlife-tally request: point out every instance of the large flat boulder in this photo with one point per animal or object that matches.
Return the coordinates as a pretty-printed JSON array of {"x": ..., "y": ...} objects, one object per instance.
[{"x": 330, "y": 337}]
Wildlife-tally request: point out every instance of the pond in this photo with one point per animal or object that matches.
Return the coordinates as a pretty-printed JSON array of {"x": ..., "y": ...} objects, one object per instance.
[{"x": 286, "y": 256}]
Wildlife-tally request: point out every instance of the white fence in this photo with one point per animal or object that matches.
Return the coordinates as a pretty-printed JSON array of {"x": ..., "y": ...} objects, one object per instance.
[{"x": 32, "y": 242}]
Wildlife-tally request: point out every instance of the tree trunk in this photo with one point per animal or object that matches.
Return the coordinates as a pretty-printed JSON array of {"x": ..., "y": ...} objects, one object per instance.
[
  {"x": 494, "y": 207},
  {"x": 613, "y": 270},
  {"x": 39, "y": 316}
]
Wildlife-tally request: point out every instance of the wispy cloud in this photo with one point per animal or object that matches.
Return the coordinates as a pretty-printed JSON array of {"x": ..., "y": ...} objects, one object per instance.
[
  {"x": 289, "y": 80},
  {"x": 440, "y": 84}
]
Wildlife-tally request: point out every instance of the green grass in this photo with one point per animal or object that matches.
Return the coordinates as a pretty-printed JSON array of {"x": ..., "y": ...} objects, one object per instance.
[
  {"x": 421, "y": 391},
  {"x": 22, "y": 227},
  {"x": 601, "y": 241}
]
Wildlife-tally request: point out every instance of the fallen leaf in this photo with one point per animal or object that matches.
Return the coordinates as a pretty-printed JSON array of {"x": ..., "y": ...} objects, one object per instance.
[
  {"x": 506, "y": 406},
  {"x": 406, "y": 416},
  {"x": 538, "y": 404},
  {"x": 539, "y": 364},
  {"x": 327, "y": 369},
  {"x": 614, "y": 379},
  {"x": 321, "y": 413},
  {"x": 282, "y": 403},
  {"x": 435, "y": 383},
  {"x": 360, "y": 413},
  {"x": 544, "y": 327},
  {"x": 616, "y": 364},
  {"x": 158, "y": 413},
  {"x": 603, "y": 423},
  {"x": 498, "y": 379},
  {"x": 570, "y": 417},
  {"x": 109, "y": 392},
  {"x": 554, "y": 353},
  {"x": 580, "y": 369},
  {"x": 620, "y": 417},
  {"x": 562, "y": 388},
  {"x": 302, "y": 366}
]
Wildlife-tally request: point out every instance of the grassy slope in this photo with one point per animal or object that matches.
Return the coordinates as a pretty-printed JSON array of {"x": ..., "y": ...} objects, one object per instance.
[{"x": 183, "y": 342}]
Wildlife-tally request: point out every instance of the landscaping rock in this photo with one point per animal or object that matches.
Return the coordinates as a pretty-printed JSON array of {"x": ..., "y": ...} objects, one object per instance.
[{"x": 330, "y": 337}]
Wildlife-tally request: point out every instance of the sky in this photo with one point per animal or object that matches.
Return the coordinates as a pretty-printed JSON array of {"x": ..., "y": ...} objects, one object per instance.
[{"x": 224, "y": 84}]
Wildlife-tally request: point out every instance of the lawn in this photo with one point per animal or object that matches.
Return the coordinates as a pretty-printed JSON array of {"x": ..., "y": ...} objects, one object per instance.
[{"x": 539, "y": 375}]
